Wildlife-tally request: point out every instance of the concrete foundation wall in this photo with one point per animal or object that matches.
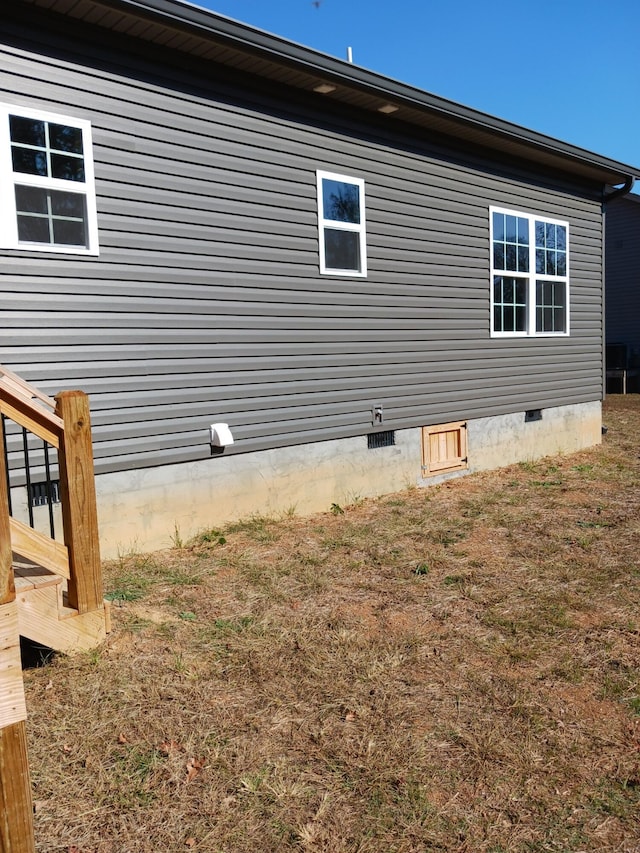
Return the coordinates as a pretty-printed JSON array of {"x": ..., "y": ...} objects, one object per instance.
[
  {"x": 499, "y": 441},
  {"x": 143, "y": 510}
]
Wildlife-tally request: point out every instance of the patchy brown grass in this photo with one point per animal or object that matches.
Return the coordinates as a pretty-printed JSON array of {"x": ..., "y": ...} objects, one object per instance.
[{"x": 450, "y": 669}]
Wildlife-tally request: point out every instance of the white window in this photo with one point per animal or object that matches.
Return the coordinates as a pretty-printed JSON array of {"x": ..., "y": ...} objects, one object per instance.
[
  {"x": 529, "y": 274},
  {"x": 341, "y": 217},
  {"x": 47, "y": 192}
]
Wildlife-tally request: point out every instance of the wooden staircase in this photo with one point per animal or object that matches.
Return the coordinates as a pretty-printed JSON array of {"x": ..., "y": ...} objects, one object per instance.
[
  {"x": 58, "y": 585},
  {"x": 50, "y": 590}
]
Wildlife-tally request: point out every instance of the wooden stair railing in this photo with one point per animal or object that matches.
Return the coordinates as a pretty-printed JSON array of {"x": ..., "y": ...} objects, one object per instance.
[
  {"x": 41, "y": 610},
  {"x": 63, "y": 423}
]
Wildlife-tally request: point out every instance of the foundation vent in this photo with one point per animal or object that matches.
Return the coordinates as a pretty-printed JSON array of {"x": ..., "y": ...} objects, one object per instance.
[
  {"x": 387, "y": 438},
  {"x": 42, "y": 494}
]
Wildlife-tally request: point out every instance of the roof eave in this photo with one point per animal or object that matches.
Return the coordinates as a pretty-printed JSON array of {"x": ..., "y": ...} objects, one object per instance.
[{"x": 464, "y": 122}]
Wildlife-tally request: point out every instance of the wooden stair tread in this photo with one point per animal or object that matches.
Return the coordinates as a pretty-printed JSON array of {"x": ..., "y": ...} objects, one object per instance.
[
  {"x": 44, "y": 614},
  {"x": 29, "y": 576}
]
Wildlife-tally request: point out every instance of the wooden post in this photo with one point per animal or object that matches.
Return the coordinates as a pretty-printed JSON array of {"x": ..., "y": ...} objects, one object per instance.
[
  {"x": 16, "y": 807},
  {"x": 16, "y": 828},
  {"x": 78, "y": 495}
]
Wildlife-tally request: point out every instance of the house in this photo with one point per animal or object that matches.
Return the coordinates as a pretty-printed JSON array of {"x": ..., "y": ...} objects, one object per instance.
[
  {"x": 284, "y": 281},
  {"x": 622, "y": 276}
]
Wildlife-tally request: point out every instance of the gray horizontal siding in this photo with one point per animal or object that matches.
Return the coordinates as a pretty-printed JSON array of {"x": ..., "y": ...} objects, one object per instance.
[
  {"x": 206, "y": 303},
  {"x": 123, "y": 374}
]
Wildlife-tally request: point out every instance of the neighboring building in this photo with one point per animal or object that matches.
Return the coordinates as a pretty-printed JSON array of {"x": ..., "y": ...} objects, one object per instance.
[
  {"x": 622, "y": 277},
  {"x": 205, "y": 224}
]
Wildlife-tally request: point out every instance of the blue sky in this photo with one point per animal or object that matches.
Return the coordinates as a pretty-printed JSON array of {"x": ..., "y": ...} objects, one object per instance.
[{"x": 566, "y": 68}]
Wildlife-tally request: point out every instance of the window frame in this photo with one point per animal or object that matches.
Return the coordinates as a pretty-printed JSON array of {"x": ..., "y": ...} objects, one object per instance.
[
  {"x": 9, "y": 238},
  {"x": 531, "y": 277},
  {"x": 359, "y": 228}
]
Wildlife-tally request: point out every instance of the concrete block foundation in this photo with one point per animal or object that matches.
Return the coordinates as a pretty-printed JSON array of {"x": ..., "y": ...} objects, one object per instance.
[{"x": 145, "y": 509}]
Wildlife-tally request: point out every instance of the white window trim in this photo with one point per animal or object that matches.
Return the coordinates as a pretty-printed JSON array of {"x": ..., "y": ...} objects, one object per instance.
[
  {"x": 531, "y": 276},
  {"x": 359, "y": 228},
  {"x": 9, "y": 178}
]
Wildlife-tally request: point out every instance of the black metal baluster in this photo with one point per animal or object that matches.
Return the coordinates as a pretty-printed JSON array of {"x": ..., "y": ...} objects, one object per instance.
[
  {"x": 47, "y": 469},
  {"x": 5, "y": 450},
  {"x": 25, "y": 450}
]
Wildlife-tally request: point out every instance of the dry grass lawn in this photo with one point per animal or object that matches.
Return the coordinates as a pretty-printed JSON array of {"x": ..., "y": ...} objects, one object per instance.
[{"x": 447, "y": 669}]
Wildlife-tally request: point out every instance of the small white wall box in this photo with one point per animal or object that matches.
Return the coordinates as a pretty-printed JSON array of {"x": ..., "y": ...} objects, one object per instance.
[{"x": 220, "y": 435}]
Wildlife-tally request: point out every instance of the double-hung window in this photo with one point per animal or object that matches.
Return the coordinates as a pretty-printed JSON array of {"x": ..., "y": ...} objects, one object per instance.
[
  {"x": 529, "y": 274},
  {"x": 47, "y": 192},
  {"x": 341, "y": 218}
]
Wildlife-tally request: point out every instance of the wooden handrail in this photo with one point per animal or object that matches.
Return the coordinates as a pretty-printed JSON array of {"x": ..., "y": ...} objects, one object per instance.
[
  {"x": 20, "y": 387},
  {"x": 17, "y": 403}
]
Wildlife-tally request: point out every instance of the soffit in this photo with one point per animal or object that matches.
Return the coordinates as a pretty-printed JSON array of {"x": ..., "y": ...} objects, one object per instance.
[{"x": 202, "y": 34}]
